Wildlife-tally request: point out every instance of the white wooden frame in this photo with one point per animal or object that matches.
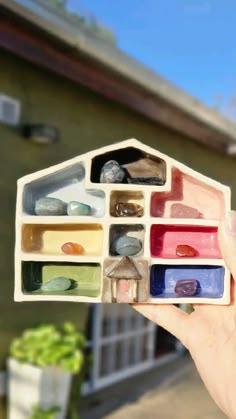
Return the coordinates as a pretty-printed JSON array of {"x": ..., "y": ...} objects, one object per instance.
[{"x": 107, "y": 220}]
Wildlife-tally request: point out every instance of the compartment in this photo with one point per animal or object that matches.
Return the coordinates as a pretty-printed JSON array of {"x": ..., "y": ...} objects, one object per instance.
[
  {"x": 49, "y": 239},
  {"x": 126, "y": 239},
  {"x": 132, "y": 166},
  {"x": 85, "y": 278},
  {"x": 126, "y": 203},
  {"x": 125, "y": 280},
  {"x": 66, "y": 185},
  {"x": 189, "y": 198},
  {"x": 163, "y": 280},
  {"x": 164, "y": 240}
]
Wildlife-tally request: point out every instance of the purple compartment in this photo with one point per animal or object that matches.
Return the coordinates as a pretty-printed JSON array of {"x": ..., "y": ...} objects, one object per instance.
[{"x": 163, "y": 279}]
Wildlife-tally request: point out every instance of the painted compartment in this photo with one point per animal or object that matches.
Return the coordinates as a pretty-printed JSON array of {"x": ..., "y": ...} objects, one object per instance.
[
  {"x": 85, "y": 278},
  {"x": 189, "y": 198},
  {"x": 125, "y": 280},
  {"x": 163, "y": 279},
  {"x": 67, "y": 185},
  {"x": 126, "y": 239},
  {"x": 132, "y": 166},
  {"x": 48, "y": 239},
  {"x": 126, "y": 203},
  {"x": 164, "y": 240}
]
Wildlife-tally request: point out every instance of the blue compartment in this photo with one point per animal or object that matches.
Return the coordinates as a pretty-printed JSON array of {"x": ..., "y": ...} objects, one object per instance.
[{"x": 164, "y": 277}]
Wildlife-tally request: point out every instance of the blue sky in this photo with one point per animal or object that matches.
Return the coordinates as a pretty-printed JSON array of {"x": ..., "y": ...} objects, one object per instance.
[{"x": 189, "y": 42}]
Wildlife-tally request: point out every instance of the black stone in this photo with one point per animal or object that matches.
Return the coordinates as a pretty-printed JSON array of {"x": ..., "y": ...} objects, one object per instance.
[{"x": 146, "y": 181}]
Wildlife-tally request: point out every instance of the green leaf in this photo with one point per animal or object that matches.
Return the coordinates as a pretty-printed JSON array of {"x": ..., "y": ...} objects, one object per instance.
[{"x": 48, "y": 345}]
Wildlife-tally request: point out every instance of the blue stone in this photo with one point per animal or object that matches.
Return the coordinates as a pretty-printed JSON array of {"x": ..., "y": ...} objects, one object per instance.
[
  {"x": 50, "y": 206},
  {"x": 126, "y": 246},
  {"x": 112, "y": 172},
  {"x": 56, "y": 284},
  {"x": 78, "y": 208}
]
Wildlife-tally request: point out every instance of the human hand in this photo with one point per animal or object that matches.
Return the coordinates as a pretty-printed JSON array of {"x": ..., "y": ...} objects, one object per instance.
[{"x": 209, "y": 332}]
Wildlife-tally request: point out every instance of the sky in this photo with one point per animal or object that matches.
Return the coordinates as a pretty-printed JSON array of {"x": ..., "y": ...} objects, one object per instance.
[{"x": 189, "y": 42}]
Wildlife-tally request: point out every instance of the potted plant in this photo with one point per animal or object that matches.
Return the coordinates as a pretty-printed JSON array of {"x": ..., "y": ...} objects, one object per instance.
[{"x": 40, "y": 368}]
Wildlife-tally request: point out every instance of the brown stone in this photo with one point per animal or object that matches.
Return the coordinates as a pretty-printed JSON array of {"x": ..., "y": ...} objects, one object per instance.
[
  {"x": 128, "y": 209},
  {"x": 146, "y": 168},
  {"x": 184, "y": 250},
  {"x": 187, "y": 287}
]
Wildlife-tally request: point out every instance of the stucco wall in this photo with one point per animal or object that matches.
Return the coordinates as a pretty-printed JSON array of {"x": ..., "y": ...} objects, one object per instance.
[{"x": 86, "y": 121}]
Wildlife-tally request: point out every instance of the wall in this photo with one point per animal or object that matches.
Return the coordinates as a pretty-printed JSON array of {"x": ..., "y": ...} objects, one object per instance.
[{"x": 86, "y": 121}]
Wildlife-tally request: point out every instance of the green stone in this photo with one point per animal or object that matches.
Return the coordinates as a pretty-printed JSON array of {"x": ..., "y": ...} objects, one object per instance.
[
  {"x": 58, "y": 284},
  {"x": 86, "y": 275},
  {"x": 78, "y": 208},
  {"x": 50, "y": 206}
]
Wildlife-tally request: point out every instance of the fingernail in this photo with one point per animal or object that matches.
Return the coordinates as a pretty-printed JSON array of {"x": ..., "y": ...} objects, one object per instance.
[{"x": 231, "y": 222}]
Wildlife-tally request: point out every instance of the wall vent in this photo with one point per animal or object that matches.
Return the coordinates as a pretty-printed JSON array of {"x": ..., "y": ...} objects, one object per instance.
[{"x": 9, "y": 110}]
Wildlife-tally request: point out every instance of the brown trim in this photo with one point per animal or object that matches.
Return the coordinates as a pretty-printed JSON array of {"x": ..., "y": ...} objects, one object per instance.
[{"x": 35, "y": 48}]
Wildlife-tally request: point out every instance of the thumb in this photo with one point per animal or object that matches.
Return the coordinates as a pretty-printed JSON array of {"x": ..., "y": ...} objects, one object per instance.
[{"x": 227, "y": 241}]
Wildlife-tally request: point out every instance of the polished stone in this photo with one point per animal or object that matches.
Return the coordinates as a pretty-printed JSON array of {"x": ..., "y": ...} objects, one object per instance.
[
  {"x": 112, "y": 172},
  {"x": 183, "y": 211},
  {"x": 86, "y": 275},
  {"x": 187, "y": 287},
  {"x": 128, "y": 209},
  {"x": 56, "y": 284},
  {"x": 50, "y": 206},
  {"x": 184, "y": 250},
  {"x": 146, "y": 181},
  {"x": 72, "y": 248},
  {"x": 146, "y": 167},
  {"x": 126, "y": 246},
  {"x": 78, "y": 208}
]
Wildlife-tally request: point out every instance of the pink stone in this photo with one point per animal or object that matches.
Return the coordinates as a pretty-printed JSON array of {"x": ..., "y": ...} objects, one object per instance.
[{"x": 183, "y": 211}]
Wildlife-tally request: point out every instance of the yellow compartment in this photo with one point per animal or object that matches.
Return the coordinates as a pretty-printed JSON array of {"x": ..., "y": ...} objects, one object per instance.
[{"x": 48, "y": 239}]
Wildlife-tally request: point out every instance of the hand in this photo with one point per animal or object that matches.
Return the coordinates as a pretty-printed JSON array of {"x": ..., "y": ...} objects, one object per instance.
[{"x": 209, "y": 332}]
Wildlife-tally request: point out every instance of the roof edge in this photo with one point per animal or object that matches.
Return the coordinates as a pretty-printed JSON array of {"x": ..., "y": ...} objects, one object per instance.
[{"x": 120, "y": 63}]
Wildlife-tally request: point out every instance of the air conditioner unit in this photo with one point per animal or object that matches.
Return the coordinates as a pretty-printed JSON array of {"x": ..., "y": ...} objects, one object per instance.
[{"x": 9, "y": 110}]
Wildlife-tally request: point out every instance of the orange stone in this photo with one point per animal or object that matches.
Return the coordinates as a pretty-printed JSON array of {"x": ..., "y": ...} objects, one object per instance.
[
  {"x": 184, "y": 250},
  {"x": 72, "y": 248}
]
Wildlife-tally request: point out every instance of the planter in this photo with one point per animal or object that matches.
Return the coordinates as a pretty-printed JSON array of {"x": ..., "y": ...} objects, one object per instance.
[{"x": 30, "y": 386}]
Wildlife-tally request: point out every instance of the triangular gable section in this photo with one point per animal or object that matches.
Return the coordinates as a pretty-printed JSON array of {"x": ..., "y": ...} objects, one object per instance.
[
  {"x": 125, "y": 269},
  {"x": 123, "y": 144}
]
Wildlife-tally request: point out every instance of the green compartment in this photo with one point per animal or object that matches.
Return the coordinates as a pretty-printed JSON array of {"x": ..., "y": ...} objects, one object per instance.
[{"x": 86, "y": 278}]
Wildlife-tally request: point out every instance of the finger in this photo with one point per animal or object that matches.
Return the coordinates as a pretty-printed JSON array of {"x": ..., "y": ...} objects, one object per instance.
[
  {"x": 170, "y": 317},
  {"x": 227, "y": 241}
]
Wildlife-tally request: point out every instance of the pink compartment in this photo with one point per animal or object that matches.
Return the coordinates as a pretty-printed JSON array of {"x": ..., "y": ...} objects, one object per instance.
[
  {"x": 206, "y": 201},
  {"x": 165, "y": 238}
]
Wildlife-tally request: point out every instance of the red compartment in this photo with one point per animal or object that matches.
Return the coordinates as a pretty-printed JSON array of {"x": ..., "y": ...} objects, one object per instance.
[{"x": 165, "y": 238}]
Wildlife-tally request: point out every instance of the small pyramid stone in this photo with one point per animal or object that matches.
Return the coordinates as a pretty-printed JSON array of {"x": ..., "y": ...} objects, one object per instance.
[{"x": 125, "y": 269}]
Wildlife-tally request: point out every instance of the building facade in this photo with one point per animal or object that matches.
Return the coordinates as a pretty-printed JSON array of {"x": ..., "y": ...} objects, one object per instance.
[{"x": 95, "y": 96}]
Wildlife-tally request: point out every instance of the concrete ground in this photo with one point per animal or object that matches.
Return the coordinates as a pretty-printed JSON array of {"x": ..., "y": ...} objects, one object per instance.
[
  {"x": 182, "y": 396},
  {"x": 179, "y": 394}
]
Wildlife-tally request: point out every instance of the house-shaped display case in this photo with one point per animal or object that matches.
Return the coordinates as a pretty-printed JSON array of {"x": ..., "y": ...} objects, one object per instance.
[{"x": 123, "y": 223}]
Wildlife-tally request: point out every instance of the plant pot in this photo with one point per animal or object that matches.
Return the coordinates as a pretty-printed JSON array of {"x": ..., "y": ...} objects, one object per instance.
[{"x": 30, "y": 386}]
